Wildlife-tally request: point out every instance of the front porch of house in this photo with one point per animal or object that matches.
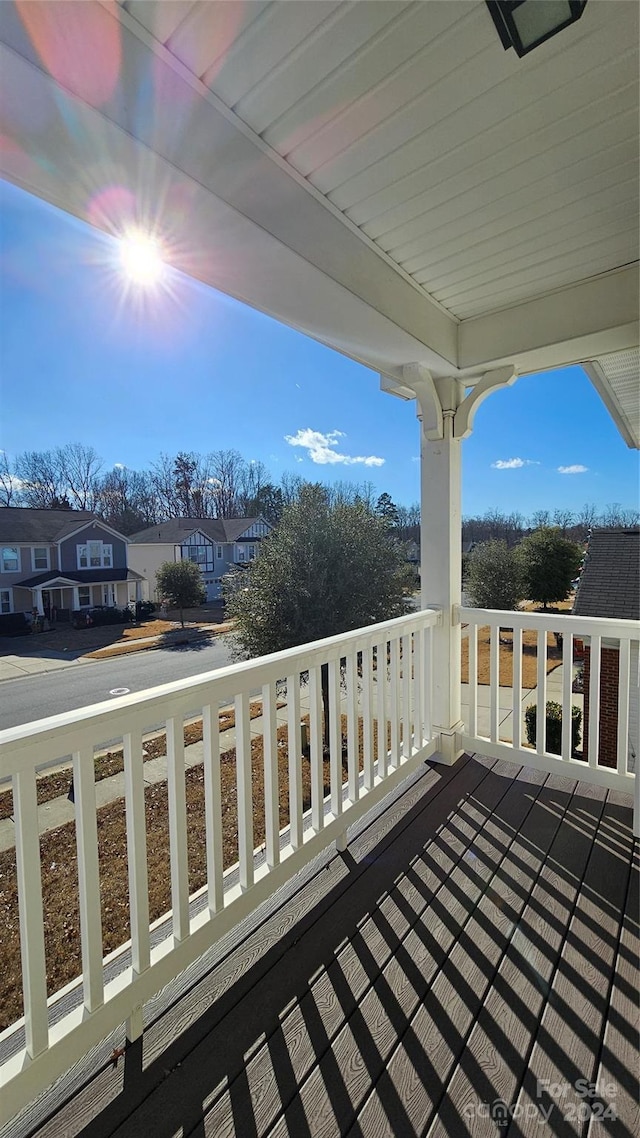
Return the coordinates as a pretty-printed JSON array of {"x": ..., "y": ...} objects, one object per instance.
[
  {"x": 469, "y": 959},
  {"x": 436, "y": 924},
  {"x": 58, "y": 597},
  {"x": 390, "y": 939}
]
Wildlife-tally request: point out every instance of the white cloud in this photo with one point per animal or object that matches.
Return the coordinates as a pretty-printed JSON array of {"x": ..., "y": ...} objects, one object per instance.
[
  {"x": 513, "y": 463},
  {"x": 320, "y": 448},
  {"x": 119, "y": 466},
  {"x": 577, "y": 469}
]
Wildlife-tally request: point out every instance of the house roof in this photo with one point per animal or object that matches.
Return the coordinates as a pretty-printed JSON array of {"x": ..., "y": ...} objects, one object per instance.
[
  {"x": 610, "y": 581},
  {"x": 21, "y": 524},
  {"x": 177, "y": 530},
  {"x": 79, "y": 577}
]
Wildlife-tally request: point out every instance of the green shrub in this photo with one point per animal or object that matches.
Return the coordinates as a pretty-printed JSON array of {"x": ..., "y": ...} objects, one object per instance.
[
  {"x": 554, "y": 727},
  {"x": 85, "y": 618},
  {"x": 144, "y": 609}
]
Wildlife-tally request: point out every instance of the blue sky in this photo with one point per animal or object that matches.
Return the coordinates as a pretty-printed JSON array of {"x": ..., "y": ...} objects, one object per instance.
[{"x": 83, "y": 358}]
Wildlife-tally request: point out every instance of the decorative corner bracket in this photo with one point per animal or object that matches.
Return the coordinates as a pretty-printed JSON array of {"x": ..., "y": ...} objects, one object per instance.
[
  {"x": 420, "y": 380},
  {"x": 491, "y": 381}
]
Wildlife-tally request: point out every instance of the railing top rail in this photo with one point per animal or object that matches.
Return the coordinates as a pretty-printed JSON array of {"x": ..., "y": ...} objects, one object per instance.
[
  {"x": 136, "y": 708},
  {"x": 554, "y": 622}
]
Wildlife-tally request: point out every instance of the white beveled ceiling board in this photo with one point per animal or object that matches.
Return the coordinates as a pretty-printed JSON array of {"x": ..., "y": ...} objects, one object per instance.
[
  {"x": 503, "y": 185},
  {"x": 213, "y": 242},
  {"x": 617, "y": 378},
  {"x": 415, "y": 122}
]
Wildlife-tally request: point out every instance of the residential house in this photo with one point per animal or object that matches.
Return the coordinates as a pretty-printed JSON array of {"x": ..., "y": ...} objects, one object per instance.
[
  {"x": 398, "y": 183},
  {"x": 62, "y": 560},
  {"x": 609, "y": 587},
  {"x": 216, "y": 545}
]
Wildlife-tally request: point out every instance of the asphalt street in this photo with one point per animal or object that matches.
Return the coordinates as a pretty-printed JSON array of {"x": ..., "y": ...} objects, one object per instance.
[{"x": 35, "y": 697}]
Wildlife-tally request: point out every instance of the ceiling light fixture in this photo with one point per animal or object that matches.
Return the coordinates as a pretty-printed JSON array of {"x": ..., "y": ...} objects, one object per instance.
[{"x": 524, "y": 24}]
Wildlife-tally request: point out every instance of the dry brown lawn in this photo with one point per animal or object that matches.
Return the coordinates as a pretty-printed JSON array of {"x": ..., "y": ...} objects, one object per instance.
[
  {"x": 112, "y": 762},
  {"x": 529, "y": 657},
  {"x": 60, "y": 874}
]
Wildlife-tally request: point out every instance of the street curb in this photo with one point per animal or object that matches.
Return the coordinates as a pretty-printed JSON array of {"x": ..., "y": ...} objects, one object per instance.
[{"x": 87, "y": 659}]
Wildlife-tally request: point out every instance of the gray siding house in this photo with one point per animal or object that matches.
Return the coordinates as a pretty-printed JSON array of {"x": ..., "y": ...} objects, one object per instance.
[
  {"x": 216, "y": 545},
  {"x": 60, "y": 561}
]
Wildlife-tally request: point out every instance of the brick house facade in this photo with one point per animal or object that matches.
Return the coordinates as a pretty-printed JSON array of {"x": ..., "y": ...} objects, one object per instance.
[{"x": 610, "y": 587}]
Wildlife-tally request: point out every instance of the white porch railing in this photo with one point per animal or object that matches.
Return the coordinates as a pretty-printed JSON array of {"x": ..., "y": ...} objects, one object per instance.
[
  {"x": 495, "y": 711},
  {"x": 379, "y": 677},
  {"x": 379, "y": 681}
]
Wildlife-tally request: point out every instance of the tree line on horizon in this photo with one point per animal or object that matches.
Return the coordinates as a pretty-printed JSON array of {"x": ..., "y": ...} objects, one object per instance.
[{"x": 223, "y": 484}]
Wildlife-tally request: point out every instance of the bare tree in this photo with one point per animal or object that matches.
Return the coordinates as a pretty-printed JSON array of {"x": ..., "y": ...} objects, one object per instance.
[
  {"x": 541, "y": 519},
  {"x": 9, "y": 483},
  {"x": 162, "y": 476},
  {"x": 125, "y": 499},
  {"x": 228, "y": 471},
  {"x": 42, "y": 478},
  {"x": 253, "y": 479},
  {"x": 564, "y": 519},
  {"x": 80, "y": 467}
]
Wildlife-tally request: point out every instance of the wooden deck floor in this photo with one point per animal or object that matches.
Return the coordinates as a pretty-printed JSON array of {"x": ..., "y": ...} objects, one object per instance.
[{"x": 459, "y": 970}]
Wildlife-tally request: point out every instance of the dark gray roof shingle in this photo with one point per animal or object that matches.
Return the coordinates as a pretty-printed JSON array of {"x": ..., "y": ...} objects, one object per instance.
[
  {"x": 18, "y": 523},
  {"x": 177, "y": 530},
  {"x": 610, "y": 581}
]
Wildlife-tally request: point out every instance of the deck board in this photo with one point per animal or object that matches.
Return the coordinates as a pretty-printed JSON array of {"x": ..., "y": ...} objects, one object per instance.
[{"x": 477, "y": 935}]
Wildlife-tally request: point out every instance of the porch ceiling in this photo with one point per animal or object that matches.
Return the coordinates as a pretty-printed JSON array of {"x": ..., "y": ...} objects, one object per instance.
[{"x": 381, "y": 175}]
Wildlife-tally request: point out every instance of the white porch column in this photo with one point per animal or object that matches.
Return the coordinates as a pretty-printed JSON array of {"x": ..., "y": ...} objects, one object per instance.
[
  {"x": 37, "y": 596},
  {"x": 446, "y": 412},
  {"x": 441, "y": 551}
]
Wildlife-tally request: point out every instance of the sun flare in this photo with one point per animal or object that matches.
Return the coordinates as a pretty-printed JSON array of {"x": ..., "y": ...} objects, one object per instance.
[{"x": 141, "y": 259}]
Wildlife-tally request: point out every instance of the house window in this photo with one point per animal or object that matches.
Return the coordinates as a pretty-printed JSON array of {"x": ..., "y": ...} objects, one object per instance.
[
  {"x": 5, "y": 600},
  {"x": 219, "y": 552},
  {"x": 40, "y": 557},
  {"x": 84, "y": 597},
  {"x": 201, "y": 555},
  {"x": 241, "y": 553},
  {"x": 10, "y": 559},
  {"x": 95, "y": 555},
  {"x": 252, "y": 552}
]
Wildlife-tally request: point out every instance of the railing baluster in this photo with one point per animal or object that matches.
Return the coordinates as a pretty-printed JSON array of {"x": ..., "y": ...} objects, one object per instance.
[
  {"x": 335, "y": 737},
  {"x": 407, "y": 731},
  {"x": 418, "y": 703},
  {"x": 353, "y": 759},
  {"x": 84, "y": 793},
  {"x": 316, "y": 756},
  {"x": 567, "y": 684},
  {"x": 177, "y": 804},
  {"x": 271, "y": 785},
  {"x": 494, "y": 680},
  {"x": 295, "y": 767},
  {"x": 428, "y": 683},
  {"x": 244, "y": 791},
  {"x": 541, "y": 714},
  {"x": 394, "y": 668},
  {"x": 472, "y": 636},
  {"x": 381, "y": 706},
  {"x": 367, "y": 717},
  {"x": 624, "y": 676},
  {"x": 517, "y": 689},
  {"x": 29, "y": 881},
  {"x": 136, "y": 852},
  {"x": 594, "y": 701},
  {"x": 213, "y": 807}
]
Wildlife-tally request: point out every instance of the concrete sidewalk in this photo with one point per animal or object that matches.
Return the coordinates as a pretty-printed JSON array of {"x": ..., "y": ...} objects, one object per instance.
[{"x": 14, "y": 665}]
